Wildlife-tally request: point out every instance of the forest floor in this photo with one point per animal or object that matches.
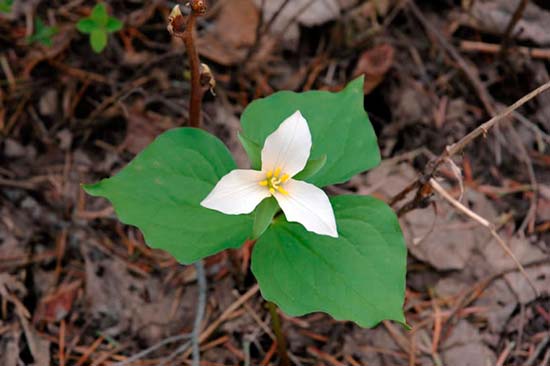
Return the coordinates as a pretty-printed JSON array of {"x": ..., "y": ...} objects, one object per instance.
[{"x": 79, "y": 288}]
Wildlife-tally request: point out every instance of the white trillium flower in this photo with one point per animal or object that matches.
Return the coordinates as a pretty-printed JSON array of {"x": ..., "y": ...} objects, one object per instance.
[{"x": 285, "y": 154}]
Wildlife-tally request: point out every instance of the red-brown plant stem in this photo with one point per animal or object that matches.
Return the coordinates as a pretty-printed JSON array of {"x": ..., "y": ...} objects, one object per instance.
[
  {"x": 183, "y": 28},
  {"x": 195, "y": 100},
  {"x": 279, "y": 336}
]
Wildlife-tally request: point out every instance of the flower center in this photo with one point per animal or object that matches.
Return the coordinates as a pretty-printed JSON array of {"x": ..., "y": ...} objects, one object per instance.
[{"x": 274, "y": 181}]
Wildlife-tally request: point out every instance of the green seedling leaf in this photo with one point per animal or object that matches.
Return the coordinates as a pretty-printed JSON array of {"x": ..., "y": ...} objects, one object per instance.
[
  {"x": 100, "y": 15},
  {"x": 113, "y": 25},
  {"x": 339, "y": 125},
  {"x": 5, "y": 6},
  {"x": 161, "y": 189},
  {"x": 263, "y": 216},
  {"x": 253, "y": 150},
  {"x": 42, "y": 33},
  {"x": 98, "y": 40},
  {"x": 86, "y": 25},
  {"x": 359, "y": 276},
  {"x": 98, "y": 25},
  {"x": 312, "y": 167}
]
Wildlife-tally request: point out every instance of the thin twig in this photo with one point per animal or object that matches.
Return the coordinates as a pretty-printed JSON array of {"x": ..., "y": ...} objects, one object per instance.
[
  {"x": 536, "y": 353},
  {"x": 518, "y": 13},
  {"x": 201, "y": 305},
  {"x": 493, "y": 48},
  {"x": 226, "y": 314},
  {"x": 153, "y": 348},
  {"x": 467, "y": 69},
  {"x": 484, "y": 128},
  {"x": 458, "y": 146},
  {"x": 483, "y": 222}
]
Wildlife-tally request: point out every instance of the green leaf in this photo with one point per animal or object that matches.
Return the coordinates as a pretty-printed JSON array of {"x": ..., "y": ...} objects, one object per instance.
[
  {"x": 113, "y": 25},
  {"x": 42, "y": 33},
  {"x": 253, "y": 150},
  {"x": 311, "y": 168},
  {"x": 161, "y": 189},
  {"x": 263, "y": 216},
  {"x": 98, "y": 40},
  {"x": 5, "y": 6},
  {"x": 339, "y": 125},
  {"x": 359, "y": 276},
  {"x": 99, "y": 14},
  {"x": 86, "y": 25}
]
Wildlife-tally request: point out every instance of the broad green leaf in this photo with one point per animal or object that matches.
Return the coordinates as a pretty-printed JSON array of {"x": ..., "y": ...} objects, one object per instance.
[
  {"x": 161, "y": 189},
  {"x": 98, "y": 40},
  {"x": 113, "y": 25},
  {"x": 339, "y": 125},
  {"x": 99, "y": 14},
  {"x": 311, "y": 168},
  {"x": 253, "y": 150},
  {"x": 263, "y": 216},
  {"x": 86, "y": 25},
  {"x": 359, "y": 276}
]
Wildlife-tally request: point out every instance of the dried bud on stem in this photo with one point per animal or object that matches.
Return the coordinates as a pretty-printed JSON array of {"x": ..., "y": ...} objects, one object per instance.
[
  {"x": 208, "y": 82},
  {"x": 198, "y": 7},
  {"x": 176, "y": 22},
  {"x": 184, "y": 28}
]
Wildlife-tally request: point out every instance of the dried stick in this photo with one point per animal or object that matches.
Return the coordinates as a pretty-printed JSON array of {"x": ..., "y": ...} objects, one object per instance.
[
  {"x": 187, "y": 34},
  {"x": 471, "y": 74},
  {"x": 226, "y": 314},
  {"x": 483, "y": 222},
  {"x": 201, "y": 305},
  {"x": 518, "y": 13},
  {"x": 493, "y": 48},
  {"x": 457, "y": 147},
  {"x": 153, "y": 348}
]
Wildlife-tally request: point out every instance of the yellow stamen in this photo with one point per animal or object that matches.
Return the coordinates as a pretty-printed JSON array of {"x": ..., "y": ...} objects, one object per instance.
[
  {"x": 274, "y": 180},
  {"x": 282, "y": 190}
]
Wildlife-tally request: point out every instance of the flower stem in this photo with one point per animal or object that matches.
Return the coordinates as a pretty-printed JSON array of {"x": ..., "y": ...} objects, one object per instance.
[
  {"x": 281, "y": 340},
  {"x": 195, "y": 101},
  {"x": 183, "y": 28}
]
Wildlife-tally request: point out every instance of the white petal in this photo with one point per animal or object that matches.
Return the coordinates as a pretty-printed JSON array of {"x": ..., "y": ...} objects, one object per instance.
[
  {"x": 288, "y": 146},
  {"x": 308, "y": 205},
  {"x": 238, "y": 192}
]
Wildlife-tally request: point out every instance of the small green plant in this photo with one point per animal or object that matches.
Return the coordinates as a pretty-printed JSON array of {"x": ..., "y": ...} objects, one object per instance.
[
  {"x": 5, "y": 6},
  {"x": 342, "y": 255},
  {"x": 98, "y": 25},
  {"x": 42, "y": 33}
]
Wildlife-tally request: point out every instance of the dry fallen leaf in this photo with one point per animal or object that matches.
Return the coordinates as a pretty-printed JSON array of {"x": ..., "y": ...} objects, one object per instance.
[
  {"x": 139, "y": 304},
  {"x": 445, "y": 239},
  {"x": 143, "y": 127},
  {"x": 494, "y": 16},
  {"x": 233, "y": 33},
  {"x": 298, "y": 12},
  {"x": 374, "y": 64},
  {"x": 465, "y": 346}
]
